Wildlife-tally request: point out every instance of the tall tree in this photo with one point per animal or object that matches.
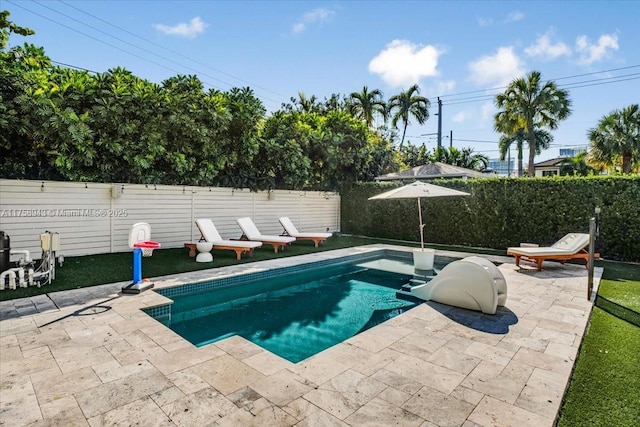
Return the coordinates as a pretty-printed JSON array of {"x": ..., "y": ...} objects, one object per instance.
[
  {"x": 507, "y": 140},
  {"x": 412, "y": 155},
  {"x": 537, "y": 104},
  {"x": 305, "y": 104},
  {"x": 336, "y": 102},
  {"x": 577, "y": 166},
  {"x": 543, "y": 140},
  {"x": 464, "y": 158},
  {"x": 405, "y": 105},
  {"x": 512, "y": 129},
  {"x": 616, "y": 139},
  {"x": 365, "y": 105}
]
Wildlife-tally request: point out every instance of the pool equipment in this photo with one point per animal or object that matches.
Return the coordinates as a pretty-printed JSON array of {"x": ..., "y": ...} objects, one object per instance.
[
  {"x": 24, "y": 270},
  {"x": 139, "y": 236},
  {"x": 473, "y": 283}
]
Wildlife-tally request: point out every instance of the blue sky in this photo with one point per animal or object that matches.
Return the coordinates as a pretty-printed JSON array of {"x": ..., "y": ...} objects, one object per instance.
[{"x": 464, "y": 52}]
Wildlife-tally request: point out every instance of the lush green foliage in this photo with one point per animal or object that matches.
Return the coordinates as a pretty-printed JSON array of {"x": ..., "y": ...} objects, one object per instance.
[
  {"x": 615, "y": 142},
  {"x": 504, "y": 212},
  {"x": 578, "y": 165},
  {"x": 62, "y": 124}
]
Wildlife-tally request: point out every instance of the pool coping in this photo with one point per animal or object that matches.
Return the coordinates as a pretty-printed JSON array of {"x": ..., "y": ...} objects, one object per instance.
[{"x": 95, "y": 357}]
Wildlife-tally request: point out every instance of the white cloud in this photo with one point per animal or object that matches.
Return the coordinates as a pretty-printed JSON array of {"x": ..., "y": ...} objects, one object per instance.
[
  {"x": 459, "y": 117},
  {"x": 590, "y": 53},
  {"x": 445, "y": 86},
  {"x": 514, "y": 17},
  {"x": 544, "y": 48},
  {"x": 487, "y": 112},
  {"x": 498, "y": 69},
  {"x": 510, "y": 18},
  {"x": 402, "y": 63},
  {"x": 190, "y": 30},
  {"x": 485, "y": 22},
  {"x": 316, "y": 15}
]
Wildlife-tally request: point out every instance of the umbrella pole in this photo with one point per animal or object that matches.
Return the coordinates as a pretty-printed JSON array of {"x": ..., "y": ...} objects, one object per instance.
[{"x": 421, "y": 226}]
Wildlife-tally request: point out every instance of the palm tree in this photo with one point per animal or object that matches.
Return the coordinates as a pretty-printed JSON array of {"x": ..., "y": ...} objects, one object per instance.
[
  {"x": 406, "y": 104},
  {"x": 543, "y": 140},
  {"x": 336, "y": 102},
  {"x": 536, "y": 104},
  {"x": 305, "y": 104},
  {"x": 577, "y": 165},
  {"x": 513, "y": 131},
  {"x": 464, "y": 158},
  {"x": 470, "y": 160},
  {"x": 616, "y": 139},
  {"x": 365, "y": 104}
]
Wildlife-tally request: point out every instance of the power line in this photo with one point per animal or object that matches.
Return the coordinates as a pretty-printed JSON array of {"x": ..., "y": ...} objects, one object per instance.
[
  {"x": 501, "y": 88},
  {"x": 123, "y": 41},
  {"x": 167, "y": 49},
  {"x": 96, "y": 39},
  {"x": 74, "y": 67},
  {"x": 125, "y": 50},
  {"x": 575, "y": 85}
]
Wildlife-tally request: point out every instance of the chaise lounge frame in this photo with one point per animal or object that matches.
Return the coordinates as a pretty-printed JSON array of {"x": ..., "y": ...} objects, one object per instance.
[
  {"x": 251, "y": 233},
  {"x": 292, "y": 231},
  {"x": 222, "y": 244},
  {"x": 571, "y": 246}
]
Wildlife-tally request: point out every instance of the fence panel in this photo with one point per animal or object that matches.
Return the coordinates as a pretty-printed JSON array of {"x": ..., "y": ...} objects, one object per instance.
[{"x": 94, "y": 218}]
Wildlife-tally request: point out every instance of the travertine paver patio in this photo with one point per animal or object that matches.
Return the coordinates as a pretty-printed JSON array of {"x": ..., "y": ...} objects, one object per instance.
[{"x": 91, "y": 357}]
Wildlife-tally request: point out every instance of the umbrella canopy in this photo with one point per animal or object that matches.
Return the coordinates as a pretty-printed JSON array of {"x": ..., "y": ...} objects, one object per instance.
[{"x": 418, "y": 190}]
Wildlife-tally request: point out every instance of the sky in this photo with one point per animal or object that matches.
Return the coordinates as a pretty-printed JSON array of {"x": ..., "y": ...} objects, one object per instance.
[{"x": 463, "y": 52}]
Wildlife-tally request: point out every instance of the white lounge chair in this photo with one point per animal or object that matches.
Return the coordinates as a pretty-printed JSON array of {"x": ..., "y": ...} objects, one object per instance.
[
  {"x": 571, "y": 246},
  {"x": 291, "y": 230},
  {"x": 210, "y": 234},
  {"x": 251, "y": 232}
]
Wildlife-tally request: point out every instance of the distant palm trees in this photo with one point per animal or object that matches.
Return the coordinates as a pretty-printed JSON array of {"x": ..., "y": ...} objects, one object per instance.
[
  {"x": 616, "y": 139},
  {"x": 408, "y": 104},
  {"x": 533, "y": 103},
  {"x": 464, "y": 158},
  {"x": 542, "y": 138},
  {"x": 401, "y": 108},
  {"x": 577, "y": 166},
  {"x": 366, "y": 104}
]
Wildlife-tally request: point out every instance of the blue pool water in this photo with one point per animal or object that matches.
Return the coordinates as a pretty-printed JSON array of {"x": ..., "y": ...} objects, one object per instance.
[{"x": 299, "y": 314}]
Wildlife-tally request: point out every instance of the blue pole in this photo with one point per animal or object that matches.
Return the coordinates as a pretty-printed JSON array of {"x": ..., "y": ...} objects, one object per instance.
[{"x": 137, "y": 265}]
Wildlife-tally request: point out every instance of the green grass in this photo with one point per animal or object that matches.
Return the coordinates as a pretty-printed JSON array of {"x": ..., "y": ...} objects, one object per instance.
[
  {"x": 605, "y": 385},
  {"x": 91, "y": 270}
]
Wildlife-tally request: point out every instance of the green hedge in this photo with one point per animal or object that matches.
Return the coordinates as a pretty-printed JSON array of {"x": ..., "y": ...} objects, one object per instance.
[{"x": 504, "y": 212}]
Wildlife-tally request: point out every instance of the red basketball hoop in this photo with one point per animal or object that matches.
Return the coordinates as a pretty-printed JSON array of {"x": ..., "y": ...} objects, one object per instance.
[{"x": 147, "y": 247}]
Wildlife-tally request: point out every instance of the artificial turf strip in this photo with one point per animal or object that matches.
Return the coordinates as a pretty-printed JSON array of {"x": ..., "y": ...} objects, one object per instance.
[
  {"x": 91, "y": 270},
  {"x": 621, "y": 284},
  {"x": 605, "y": 385}
]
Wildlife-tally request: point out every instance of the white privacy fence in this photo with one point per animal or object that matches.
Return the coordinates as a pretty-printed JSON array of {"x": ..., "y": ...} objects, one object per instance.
[{"x": 94, "y": 218}]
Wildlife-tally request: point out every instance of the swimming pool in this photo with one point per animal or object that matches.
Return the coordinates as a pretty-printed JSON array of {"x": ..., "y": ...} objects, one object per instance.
[{"x": 293, "y": 312}]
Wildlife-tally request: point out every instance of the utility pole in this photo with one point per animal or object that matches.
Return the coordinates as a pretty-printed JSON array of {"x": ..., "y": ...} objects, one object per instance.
[
  {"x": 439, "y": 124},
  {"x": 450, "y": 138}
]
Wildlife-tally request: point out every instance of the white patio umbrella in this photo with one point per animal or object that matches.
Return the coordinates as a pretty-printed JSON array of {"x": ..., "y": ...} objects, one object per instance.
[{"x": 418, "y": 190}]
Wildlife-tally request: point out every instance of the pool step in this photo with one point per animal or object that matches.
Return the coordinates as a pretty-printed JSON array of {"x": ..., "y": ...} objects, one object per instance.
[{"x": 406, "y": 295}]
